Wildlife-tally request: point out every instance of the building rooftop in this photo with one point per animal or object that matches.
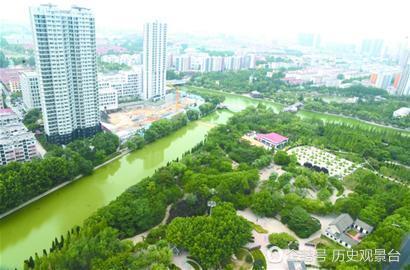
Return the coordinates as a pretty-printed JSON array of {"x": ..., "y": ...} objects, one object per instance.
[
  {"x": 296, "y": 265},
  {"x": 347, "y": 239},
  {"x": 272, "y": 137},
  {"x": 6, "y": 111},
  {"x": 364, "y": 225},
  {"x": 342, "y": 222}
]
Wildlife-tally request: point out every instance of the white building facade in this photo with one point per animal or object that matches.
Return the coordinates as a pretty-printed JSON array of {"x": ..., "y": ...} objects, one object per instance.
[
  {"x": 154, "y": 60},
  {"x": 404, "y": 85},
  {"x": 16, "y": 144},
  {"x": 108, "y": 99},
  {"x": 128, "y": 84},
  {"x": 65, "y": 53},
  {"x": 30, "y": 90}
]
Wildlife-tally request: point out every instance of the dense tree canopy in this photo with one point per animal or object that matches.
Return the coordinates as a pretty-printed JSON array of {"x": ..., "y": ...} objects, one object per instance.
[{"x": 210, "y": 239}]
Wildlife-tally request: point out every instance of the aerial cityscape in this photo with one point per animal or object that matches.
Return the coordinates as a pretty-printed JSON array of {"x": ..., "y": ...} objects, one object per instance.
[{"x": 222, "y": 135}]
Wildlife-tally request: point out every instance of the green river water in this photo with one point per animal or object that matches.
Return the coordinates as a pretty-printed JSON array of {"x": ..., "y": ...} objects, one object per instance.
[{"x": 34, "y": 227}]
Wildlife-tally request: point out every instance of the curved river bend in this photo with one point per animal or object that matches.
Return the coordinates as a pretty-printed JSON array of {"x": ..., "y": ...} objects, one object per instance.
[{"x": 33, "y": 228}]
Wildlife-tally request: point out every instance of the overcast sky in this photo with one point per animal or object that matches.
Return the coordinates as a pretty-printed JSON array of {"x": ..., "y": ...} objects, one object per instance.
[{"x": 340, "y": 20}]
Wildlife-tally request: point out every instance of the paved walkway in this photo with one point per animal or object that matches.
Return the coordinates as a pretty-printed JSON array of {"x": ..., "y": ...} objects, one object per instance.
[
  {"x": 273, "y": 225},
  {"x": 140, "y": 237}
]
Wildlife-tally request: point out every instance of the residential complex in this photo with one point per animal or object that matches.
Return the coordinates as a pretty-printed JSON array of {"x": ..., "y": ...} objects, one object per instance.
[
  {"x": 108, "y": 97},
  {"x": 16, "y": 143},
  {"x": 10, "y": 78},
  {"x": 403, "y": 88},
  {"x": 65, "y": 53},
  {"x": 30, "y": 90},
  {"x": 128, "y": 84},
  {"x": 154, "y": 60},
  {"x": 202, "y": 62}
]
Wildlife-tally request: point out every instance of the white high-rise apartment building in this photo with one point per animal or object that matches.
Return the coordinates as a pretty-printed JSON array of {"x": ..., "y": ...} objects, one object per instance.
[
  {"x": 154, "y": 60},
  {"x": 65, "y": 53},
  {"x": 404, "y": 85},
  {"x": 30, "y": 90}
]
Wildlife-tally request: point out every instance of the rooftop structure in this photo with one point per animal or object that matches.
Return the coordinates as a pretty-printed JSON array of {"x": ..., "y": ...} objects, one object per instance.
[
  {"x": 16, "y": 144},
  {"x": 341, "y": 230},
  {"x": 10, "y": 77},
  {"x": 402, "y": 112},
  {"x": 7, "y": 116},
  {"x": 272, "y": 140}
]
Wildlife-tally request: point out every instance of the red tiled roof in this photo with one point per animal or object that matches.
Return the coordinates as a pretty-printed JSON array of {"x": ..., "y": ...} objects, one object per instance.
[
  {"x": 272, "y": 137},
  {"x": 6, "y": 111},
  {"x": 11, "y": 74}
]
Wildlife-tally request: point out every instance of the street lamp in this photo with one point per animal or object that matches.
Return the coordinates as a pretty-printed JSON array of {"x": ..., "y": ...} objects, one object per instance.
[{"x": 210, "y": 205}]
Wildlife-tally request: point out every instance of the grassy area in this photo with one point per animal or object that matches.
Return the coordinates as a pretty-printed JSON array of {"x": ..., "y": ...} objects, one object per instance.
[
  {"x": 259, "y": 261},
  {"x": 352, "y": 232}
]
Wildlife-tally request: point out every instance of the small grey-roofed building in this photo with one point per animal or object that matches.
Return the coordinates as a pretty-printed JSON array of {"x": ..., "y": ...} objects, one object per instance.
[
  {"x": 337, "y": 230},
  {"x": 296, "y": 265},
  {"x": 347, "y": 241},
  {"x": 362, "y": 226},
  {"x": 342, "y": 222}
]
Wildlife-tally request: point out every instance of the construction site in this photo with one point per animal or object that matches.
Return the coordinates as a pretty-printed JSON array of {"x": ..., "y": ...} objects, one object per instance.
[{"x": 134, "y": 118}]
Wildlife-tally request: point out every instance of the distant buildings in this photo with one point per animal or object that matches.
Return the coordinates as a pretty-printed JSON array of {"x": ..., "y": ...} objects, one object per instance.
[
  {"x": 126, "y": 59},
  {"x": 154, "y": 60},
  {"x": 7, "y": 116},
  {"x": 10, "y": 77},
  {"x": 372, "y": 47},
  {"x": 16, "y": 143},
  {"x": 128, "y": 84},
  {"x": 309, "y": 40},
  {"x": 65, "y": 53},
  {"x": 30, "y": 90},
  {"x": 403, "y": 88}
]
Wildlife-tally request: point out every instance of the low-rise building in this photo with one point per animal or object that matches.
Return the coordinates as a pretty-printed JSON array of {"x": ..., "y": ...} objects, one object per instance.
[
  {"x": 346, "y": 231},
  {"x": 108, "y": 99},
  {"x": 10, "y": 77},
  {"x": 7, "y": 116},
  {"x": 128, "y": 84},
  {"x": 272, "y": 140},
  {"x": 402, "y": 112},
  {"x": 16, "y": 144}
]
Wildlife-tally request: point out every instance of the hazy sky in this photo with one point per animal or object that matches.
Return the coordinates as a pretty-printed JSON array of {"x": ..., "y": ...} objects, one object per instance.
[{"x": 341, "y": 20}]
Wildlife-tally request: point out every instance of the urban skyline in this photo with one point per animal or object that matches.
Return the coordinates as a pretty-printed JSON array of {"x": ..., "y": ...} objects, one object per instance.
[{"x": 261, "y": 23}]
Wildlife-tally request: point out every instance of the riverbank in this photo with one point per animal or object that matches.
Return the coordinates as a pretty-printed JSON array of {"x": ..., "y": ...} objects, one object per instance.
[
  {"x": 34, "y": 227},
  {"x": 60, "y": 186},
  {"x": 307, "y": 113}
]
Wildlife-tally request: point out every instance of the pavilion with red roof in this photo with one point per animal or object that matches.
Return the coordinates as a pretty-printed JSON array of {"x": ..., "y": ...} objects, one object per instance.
[{"x": 272, "y": 140}]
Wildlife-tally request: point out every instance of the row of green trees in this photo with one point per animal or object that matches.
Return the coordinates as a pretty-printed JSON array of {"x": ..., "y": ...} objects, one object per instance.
[
  {"x": 369, "y": 110},
  {"x": 19, "y": 182}
]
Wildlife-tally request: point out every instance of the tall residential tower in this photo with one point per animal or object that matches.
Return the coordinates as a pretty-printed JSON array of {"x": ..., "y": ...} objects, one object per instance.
[
  {"x": 154, "y": 60},
  {"x": 65, "y": 53}
]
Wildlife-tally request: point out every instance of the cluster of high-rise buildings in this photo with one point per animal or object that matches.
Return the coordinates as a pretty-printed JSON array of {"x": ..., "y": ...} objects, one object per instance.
[
  {"x": 203, "y": 62},
  {"x": 66, "y": 86}
]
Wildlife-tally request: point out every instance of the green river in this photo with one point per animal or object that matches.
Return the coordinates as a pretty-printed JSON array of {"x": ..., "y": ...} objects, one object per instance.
[{"x": 34, "y": 227}]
